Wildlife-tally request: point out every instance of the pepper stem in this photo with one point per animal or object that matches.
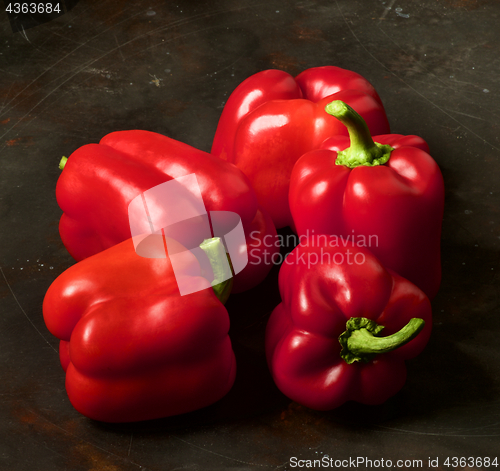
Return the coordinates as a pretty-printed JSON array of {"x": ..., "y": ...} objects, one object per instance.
[
  {"x": 363, "y": 151},
  {"x": 62, "y": 162},
  {"x": 221, "y": 267},
  {"x": 360, "y": 341}
]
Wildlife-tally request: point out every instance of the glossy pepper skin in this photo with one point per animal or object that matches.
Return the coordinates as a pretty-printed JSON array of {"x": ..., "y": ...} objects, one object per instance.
[
  {"x": 324, "y": 286},
  {"x": 99, "y": 181},
  {"x": 395, "y": 207},
  {"x": 133, "y": 349},
  {"x": 272, "y": 118}
]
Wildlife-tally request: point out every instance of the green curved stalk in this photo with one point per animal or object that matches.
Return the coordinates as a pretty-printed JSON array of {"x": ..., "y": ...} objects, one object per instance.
[
  {"x": 362, "y": 151},
  {"x": 361, "y": 341},
  {"x": 223, "y": 278}
]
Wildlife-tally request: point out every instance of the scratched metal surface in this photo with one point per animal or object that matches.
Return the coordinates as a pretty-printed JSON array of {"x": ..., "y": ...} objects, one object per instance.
[{"x": 169, "y": 67}]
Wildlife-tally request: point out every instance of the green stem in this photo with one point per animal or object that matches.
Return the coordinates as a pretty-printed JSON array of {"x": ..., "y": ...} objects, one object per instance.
[
  {"x": 223, "y": 278},
  {"x": 360, "y": 341},
  {"x": 363, "y": 151},
  {"x": 62, "y": 162}
]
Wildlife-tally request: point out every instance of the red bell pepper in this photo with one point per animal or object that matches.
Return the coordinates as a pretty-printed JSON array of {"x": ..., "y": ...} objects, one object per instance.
[
  {"x": 387, "y": 196},
  {"x": 324, "y": 343},
  {"x": 99, "y": 181},
  {"x": 132, "y": 347},
  {"x": 271, "y": 119}
]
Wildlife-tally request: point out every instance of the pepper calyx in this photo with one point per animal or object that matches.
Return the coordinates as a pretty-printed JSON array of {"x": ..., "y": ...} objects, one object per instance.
[
  {"x": 361, "y": 340},
  {"x": 363, "y": 151}
]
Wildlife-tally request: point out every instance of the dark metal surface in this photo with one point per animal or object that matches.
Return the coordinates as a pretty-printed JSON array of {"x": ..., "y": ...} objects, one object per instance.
[{"x": 169, "y": 67}]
